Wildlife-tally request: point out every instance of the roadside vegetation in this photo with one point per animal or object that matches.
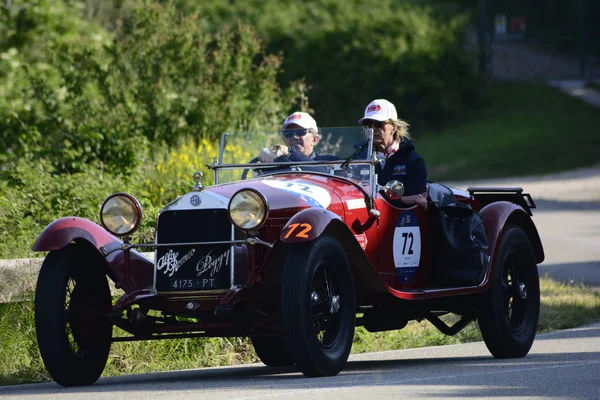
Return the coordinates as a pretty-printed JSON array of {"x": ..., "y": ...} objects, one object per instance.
[{"x": 563, "y": 306}]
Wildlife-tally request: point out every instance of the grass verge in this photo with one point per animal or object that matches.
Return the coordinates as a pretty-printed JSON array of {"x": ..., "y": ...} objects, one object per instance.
[
  {"x": 563, "y": 306},
  {"x": 529, "y": 129}
]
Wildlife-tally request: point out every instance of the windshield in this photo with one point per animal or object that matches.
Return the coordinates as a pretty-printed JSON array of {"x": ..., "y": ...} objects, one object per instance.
[{"x": 322, "y": 153}]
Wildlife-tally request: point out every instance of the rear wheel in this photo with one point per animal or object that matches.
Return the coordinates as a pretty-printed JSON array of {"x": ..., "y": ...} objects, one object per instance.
[
  {"x": 272, "y": 351},
  {"x": 318, "y": 306},
  {"x": 72, "y": 301},
  {"x": 508, "y": 311}
]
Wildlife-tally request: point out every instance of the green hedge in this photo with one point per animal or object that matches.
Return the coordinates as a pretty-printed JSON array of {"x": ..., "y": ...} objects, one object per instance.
[
  {"x": 353, "y": 51},
  {"x": 88, "y": 96}
]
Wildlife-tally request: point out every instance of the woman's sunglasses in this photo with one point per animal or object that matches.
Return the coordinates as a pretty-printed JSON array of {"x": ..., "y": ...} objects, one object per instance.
[
  {"x": 376, "y": 124},
  {"x": 290, "y": 133}
]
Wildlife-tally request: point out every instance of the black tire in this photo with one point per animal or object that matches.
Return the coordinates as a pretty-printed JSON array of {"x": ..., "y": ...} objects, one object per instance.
[
  {"x": 72, "y": 301},
  {"x": 272, "y": 351},
  {"x": 318, "y": 306},
  {"x": 508, "y": 311}
]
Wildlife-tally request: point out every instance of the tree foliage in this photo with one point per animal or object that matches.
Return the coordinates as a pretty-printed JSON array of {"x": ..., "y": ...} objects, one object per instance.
[
  {"x": 106, "y": 97},
  {"x": 352, "y": 51}
]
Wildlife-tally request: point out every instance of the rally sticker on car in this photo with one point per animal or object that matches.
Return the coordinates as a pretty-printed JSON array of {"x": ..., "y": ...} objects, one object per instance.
[
  {"x": 361, "y": 238},
  {"x": 407, "y": 246},
  {"x": 314, "y": 195}
]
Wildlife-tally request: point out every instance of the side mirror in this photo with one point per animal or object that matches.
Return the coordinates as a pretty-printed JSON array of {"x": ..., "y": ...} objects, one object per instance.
[{"x": 394, "y": 190}]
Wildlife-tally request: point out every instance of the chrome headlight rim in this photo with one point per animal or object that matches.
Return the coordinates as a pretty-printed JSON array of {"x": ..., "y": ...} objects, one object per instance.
[
  {"x": 137, "y": 209},
  {"x": 265, "y": 204}
]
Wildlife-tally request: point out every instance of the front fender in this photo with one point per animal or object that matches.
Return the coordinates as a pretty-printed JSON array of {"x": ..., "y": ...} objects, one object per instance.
[
  {"x": 129, "y": 273},
  {"x": 307, "y": 225},
  {"x": 311, "y": 223},
  {"x": 497, "y": 215},
  {"x": 63, "y": 231}
]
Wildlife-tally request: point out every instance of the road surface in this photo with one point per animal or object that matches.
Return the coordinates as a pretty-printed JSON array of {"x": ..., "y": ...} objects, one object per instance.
[{"x": 563, "y": 364}]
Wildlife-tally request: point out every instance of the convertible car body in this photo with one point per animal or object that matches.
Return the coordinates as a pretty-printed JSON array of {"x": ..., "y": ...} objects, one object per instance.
[{"x": 293, "y": 257}]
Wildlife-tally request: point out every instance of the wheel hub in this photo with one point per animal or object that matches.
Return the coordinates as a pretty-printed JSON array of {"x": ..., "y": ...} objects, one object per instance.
[
  {"x": 523, "y": 291},
  {"x": 314, "y": 297},
  {"x": 334, "y": 304}
]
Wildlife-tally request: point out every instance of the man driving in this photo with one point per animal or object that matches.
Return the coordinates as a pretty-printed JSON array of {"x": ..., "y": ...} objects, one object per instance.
[{"x": 300, "y": 134}]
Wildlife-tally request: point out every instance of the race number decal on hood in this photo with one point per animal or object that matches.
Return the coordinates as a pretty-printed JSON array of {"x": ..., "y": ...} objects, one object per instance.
[
  {"x": 407, "y": 246},
  {"x": 314, "y": 195}
]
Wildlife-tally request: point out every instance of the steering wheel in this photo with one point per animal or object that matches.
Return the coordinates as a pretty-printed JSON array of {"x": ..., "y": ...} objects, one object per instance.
[{"x": 245, "y": 172}]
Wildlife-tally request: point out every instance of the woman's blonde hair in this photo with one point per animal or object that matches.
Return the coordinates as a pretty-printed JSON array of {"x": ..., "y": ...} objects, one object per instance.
[{"x": 401, "y": 129}]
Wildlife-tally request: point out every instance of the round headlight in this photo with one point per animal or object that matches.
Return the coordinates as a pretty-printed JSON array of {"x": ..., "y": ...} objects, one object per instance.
[
  {"x": 120, "y": 214},
  {"x": 247, "y": 209}
]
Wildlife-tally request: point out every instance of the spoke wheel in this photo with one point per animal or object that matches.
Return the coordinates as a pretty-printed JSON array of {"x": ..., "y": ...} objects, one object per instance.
[
  {"x": 318, "y": 306},
  {"x": 508, "y": 311},
  {"x": 72, "y": 302},
  {"x": 325, "y": 304}
]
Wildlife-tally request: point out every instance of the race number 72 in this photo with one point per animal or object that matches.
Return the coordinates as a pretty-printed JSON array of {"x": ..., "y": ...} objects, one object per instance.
[
  {"x": 408, "y": 237},
  {"x": 298, "y": 230}
]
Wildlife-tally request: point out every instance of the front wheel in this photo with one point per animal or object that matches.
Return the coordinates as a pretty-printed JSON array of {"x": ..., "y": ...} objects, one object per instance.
[
  {"x": 72, "y": 301},
  {"x": 318, "y": 306},
  {"x": 508, "y": 311}
]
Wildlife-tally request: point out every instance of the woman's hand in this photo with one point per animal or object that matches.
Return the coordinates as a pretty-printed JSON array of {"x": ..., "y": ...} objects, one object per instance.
[{"x": 418, "y": 199}]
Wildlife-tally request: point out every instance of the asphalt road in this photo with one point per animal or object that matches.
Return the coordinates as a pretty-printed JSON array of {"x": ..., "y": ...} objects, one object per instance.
[{"x": 563, "y": 364}]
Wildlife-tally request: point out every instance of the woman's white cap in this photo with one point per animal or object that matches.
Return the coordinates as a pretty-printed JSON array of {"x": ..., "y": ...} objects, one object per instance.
[
  {"x": 379, "y": 110},
  {"x": 302, "y": 119}
]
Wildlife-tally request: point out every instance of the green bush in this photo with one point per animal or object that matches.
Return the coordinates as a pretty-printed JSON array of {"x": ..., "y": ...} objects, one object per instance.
[
  {"x": 159, "y": 77},
  {"x": 37, "y": 196},
  {"x": 353, "y": 51},
  {"x": 34, "y": 195}
]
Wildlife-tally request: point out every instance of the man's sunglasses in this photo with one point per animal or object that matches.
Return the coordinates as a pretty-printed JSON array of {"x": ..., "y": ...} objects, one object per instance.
[
  {"x": 290, "y": 133},
  {"x": 376, "y": 124}
]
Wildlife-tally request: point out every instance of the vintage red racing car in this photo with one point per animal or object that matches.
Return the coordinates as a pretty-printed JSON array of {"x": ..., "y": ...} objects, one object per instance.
[{"x": 293, "y": 256}]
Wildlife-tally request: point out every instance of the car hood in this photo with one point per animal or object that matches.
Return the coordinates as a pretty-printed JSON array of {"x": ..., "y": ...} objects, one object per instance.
[{"x": 286, "y": 194}]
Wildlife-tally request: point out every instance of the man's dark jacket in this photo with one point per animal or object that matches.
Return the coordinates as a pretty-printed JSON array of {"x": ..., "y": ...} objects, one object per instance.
[{"x": 296, "y": 156}]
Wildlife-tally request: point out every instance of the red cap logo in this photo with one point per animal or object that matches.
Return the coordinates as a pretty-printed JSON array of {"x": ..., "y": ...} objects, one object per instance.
[
  {"x": 294, "y": 117},
  {"x": 374, "y": 107}
]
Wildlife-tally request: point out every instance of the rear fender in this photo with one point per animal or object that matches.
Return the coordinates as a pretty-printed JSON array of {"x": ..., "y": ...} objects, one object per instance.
[
  {"x": 63, "y": 231},
  {"x": 497, "y": 216}
]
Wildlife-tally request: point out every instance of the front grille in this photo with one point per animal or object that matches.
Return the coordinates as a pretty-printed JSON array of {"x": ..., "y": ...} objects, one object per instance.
[{"x": 191, "y": 268}]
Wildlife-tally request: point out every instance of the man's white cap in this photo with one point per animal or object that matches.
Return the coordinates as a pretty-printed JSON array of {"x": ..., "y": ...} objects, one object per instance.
[
  {"x": 379, "y": 110},
  {"x": 302, "y": 119}
]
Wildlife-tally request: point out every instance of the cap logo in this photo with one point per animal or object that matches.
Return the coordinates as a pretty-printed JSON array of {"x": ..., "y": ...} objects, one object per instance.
[
  {"x": 374, "y": 107},
  {"x": 294, "y": 117}
]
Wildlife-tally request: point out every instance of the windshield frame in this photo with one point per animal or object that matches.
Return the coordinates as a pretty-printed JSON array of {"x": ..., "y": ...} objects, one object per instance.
[{"x": 371, "y": 161}]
